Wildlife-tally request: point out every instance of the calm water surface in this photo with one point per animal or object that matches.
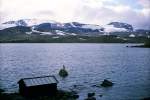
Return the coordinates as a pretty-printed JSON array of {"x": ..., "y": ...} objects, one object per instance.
[{"x": 88, "y": 65}]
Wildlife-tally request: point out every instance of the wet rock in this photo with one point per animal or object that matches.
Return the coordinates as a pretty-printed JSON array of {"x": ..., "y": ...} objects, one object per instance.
[
  {"x": 63, "y": 72},
  {"x": 75, "y": 86},
  {"x": 100, "y": 95},
  {"x": 61, "y": 95},
  {"x": 148, "y": 98},
  {"x": 1, "y": 90},
  {"x": 107, "y": 83},
  {"x": 75, "y": 96},
  {"x": 91, "y": 94}
]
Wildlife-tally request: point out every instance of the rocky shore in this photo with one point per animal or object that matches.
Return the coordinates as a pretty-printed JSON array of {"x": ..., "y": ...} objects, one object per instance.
[{"x": 61, "y": 95}]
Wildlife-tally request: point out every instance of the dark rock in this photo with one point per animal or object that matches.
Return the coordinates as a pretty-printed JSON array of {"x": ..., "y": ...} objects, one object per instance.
[
  {"x": 61, "y": 95},
  {"x": 91, "y": 94},
  {"x": 94, "y": 85},
  {"x": 107, "y": 83},
  {"x": 63, "y": 72},
  {"x": 75, "y": 96},
  {"x": 1, "y": 90},
  {"x": 148, "y": 98},
  {"x": 74, "y": 86},
  {"x": 100, "y": 95}
]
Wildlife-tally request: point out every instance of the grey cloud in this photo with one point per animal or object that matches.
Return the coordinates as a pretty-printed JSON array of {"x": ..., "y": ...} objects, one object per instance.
[
  {"x": 105, "y": 15},
  {"x": 144, "y": 3},
  {"x": 46, "y": 12}
]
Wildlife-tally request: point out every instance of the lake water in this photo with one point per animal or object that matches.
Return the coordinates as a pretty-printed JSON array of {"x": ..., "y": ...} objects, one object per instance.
[{"x": 88, "y": 65}]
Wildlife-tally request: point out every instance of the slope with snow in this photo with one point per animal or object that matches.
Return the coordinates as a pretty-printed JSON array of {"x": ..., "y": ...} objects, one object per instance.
[
  {"x": 93, "y": 27},
  {"x": 24, "y": 22},
  {"x": 121, "y": 25},
  {"x": 73, "y": 28},
  {"x": 111, "y": 28}
]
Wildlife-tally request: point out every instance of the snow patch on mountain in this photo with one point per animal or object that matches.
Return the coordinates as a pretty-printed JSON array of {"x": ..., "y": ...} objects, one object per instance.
[
  {"x": 72, "y": 24},
  {"x": 67, "y": 28},
  {"x": 55, "y": 37},
  {"x": 60, "y": 32},
  {"x": 32, "y": 22},
  {"x": 24, "y": 22},
  {"x": 28, "y": 32},
  {"x": 46, "y": 33},
  {"x": 93, "y": 27},
  {"x": 111, "y": 28},
  {"x": 121, "y": 25},
  {"x": 73, "y": 34},
  {"x": 41, "y": 33},
  {"x": 4, "y": 26}
]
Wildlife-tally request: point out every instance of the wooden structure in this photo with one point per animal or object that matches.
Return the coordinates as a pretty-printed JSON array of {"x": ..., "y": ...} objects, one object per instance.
[{"x": 38, "y": 86}]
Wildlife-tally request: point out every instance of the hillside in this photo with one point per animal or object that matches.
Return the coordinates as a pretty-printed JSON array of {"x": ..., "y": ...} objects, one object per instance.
[{"x": 32, "y": 30}]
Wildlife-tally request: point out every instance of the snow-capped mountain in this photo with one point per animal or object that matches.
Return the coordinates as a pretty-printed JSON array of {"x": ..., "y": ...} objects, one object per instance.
[
  {"x": 24, "y": 22},
  {"x": 66, "y": 28},
  {"x": 81, "y": 25},
  {"x": 121, "y": 26},
  {"x": 111, "y": 28},
  {"x": 52, "y": 27},
  {"x": 47, "y": 31},
  {"x": 39, "y": 23}
]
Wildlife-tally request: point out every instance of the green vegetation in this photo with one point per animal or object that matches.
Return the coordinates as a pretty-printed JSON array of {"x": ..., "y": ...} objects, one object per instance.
[
  {"x": 36, "y": 38},
  {"x": 1, "y": 91},
  {"x": 19, "y": 35},
  {"x": 147, "y": 44}
]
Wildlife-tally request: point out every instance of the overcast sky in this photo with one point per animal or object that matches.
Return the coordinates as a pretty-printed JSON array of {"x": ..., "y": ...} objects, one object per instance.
[{"x": 135, "y": 12}]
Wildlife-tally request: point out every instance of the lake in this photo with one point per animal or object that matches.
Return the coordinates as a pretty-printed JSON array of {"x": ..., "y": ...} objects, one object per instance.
[{"x": 88, "y": 65}]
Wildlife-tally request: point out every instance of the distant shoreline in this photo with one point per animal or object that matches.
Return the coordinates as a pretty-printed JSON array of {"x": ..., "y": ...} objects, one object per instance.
[
  {"x": 145, "y": 45},
  {"x": 140, "y": 46},
  {"x": 71, "y": 43},
  {"x": 76, "y": 42},
  {"x": 23, "y": 38}
]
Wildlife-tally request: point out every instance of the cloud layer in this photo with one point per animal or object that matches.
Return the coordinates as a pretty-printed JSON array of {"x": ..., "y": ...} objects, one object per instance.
[{"x": 135, "y": 12}]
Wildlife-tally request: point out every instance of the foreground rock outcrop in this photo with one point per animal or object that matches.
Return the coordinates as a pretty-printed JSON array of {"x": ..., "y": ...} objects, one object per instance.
[{"x": 107, "y": 83}]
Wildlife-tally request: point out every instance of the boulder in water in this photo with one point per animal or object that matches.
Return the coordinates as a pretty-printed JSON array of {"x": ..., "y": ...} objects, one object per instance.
[
  {"x": 91, "y": 96},
  {"x": 107, "y": 83},
  {"x": 63, "y": 72}
]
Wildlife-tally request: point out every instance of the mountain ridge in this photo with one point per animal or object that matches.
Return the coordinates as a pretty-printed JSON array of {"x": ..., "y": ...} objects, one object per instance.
[
  {"x": 50, "y": 27},
  {"x": 33, "y": 22}
]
